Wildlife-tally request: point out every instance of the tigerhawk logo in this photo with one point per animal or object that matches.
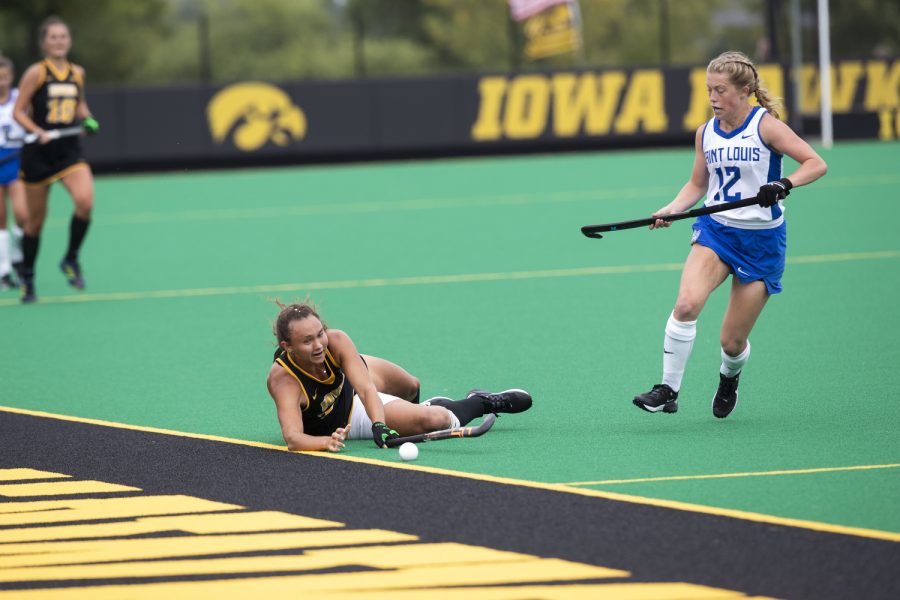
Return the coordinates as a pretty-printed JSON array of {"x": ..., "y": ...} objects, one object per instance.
[{"x": 255, "y": 113}]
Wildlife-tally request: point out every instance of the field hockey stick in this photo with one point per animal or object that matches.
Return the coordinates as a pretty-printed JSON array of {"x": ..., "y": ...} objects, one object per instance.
[
  {"x": 593, "y": 231},
  {"x": 446, "y": 434},
  {"x": 54, "y": 134},
  {"x": 31, "y": 138}
]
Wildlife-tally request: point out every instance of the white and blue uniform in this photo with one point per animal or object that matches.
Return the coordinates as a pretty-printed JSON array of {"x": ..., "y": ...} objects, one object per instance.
[
  {"x": 752, "y": 239},
  {"x": 11, "y": 134}
]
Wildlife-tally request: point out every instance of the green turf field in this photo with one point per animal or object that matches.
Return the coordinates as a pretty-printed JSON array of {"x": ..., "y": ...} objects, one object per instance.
[{"x": 472, "y": 273}]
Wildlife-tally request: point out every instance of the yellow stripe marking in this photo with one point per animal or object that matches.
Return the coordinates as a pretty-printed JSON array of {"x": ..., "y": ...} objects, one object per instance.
[
  {"x": 60, "y": 511},
  {"x": 42, "y": 554},
  {"x": 25, "y": 474},
  {"x": 276, "y": 587},
  {"x": 200, "y": 524},
  {"x": 726, "y": 475},
  {"x": 425, "y": 280},
  {"x": 377, "y": 557},
  {"x": 63, "y": 488},
  {"x": 529, "y": 569},
  {"x": 675, "y": 505}
]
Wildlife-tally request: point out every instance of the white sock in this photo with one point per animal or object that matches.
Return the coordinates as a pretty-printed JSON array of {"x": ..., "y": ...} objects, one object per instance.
[
  {"x": 677, "y": 347},
  {"x": 5, "y": 266},
  {"x": 15, "y": 245},
  {"x": 732, "y": 365}
]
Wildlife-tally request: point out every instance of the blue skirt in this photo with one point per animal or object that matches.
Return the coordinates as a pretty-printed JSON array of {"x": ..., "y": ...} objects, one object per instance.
[
  {"x": 9, "y": 165},
  {"x": 752, "y": 254}
]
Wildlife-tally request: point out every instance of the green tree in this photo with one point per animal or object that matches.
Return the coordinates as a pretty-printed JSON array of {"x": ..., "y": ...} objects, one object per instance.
[
  {"x": 865, "y": 28},
  {"x": 470, "y": 34},
  {"x": 110, "y": 38}
]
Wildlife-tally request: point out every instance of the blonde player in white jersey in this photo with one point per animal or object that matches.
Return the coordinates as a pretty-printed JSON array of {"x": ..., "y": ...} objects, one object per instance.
[
  {"x": 11, "y": 134},
  {"x": 738, "y": 155}
]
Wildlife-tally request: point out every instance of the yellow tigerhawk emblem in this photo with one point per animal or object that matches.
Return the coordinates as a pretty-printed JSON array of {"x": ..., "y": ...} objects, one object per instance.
[{"x": 256, "y": 113}]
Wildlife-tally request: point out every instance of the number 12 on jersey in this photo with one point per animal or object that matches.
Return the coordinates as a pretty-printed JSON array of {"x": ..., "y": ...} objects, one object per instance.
[{"x": 727, "y": 178}]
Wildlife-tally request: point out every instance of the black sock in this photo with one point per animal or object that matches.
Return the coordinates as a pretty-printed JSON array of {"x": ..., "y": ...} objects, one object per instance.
[
  {"x": 30, "y": 245},
  {"x": 77, "y": 230},
  {"x": 465, "y": 410}
]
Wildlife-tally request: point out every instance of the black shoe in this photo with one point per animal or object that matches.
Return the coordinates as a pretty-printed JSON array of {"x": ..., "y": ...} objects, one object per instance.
[
  {"x": 8, "y": 283},
  {"x": 726, "y": 396},
  {"x": 510, "y": 401},
  {"x": 660, "y": 398},
  {"x": 72, "y": 270},
  {"x": 28, "y": 295}
]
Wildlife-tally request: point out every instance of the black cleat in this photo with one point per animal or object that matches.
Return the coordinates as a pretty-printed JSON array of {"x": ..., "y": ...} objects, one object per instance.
[
  {"x": 510, "y": 401},
  {"x": 28, "y": 295},
  {"x": 660, "y": 398},
  {"x": 726, "y": 396},
  {"x": 8, "y": 283},
  {"x": 72, "y": 270}
]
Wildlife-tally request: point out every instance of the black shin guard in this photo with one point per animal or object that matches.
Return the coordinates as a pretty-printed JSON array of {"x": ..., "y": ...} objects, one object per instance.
[
  {"x": 30, "y": 245},
  {"x": 465, "y": 410},
  {"x": 77, "y": 230}
]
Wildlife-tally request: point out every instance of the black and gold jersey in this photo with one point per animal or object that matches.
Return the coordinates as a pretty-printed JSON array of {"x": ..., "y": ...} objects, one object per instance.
[
  {"x": 53, "y": 104},
  {"x": 328, "y": 401}
]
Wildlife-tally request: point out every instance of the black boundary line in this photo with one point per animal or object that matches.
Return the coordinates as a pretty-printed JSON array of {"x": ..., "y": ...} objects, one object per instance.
[{"x": 654, "y": 543}]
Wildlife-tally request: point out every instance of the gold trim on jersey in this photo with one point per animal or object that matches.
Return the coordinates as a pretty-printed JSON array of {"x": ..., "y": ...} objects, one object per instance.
[
  {"x": 327, "y": 381},
  {"x": 55, "y": 177},
  {"x": 60, "y": 75},
  {"x": 300, "y": 383}
]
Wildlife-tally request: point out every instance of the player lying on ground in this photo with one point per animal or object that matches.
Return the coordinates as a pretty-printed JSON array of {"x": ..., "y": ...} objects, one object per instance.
[{"x": 325, "y": 391}]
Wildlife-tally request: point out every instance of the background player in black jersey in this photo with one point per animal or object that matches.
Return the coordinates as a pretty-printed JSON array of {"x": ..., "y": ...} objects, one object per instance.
[
  {"x": 326, "y": 392},
  {"x": 51, "y": 96}
]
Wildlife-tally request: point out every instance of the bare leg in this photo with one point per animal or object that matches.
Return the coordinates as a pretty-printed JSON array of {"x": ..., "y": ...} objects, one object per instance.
[
  {"x": 392, "y": 379},
  {"x": 744, "y": 307},
  {"x": 703, "y": 272},
  {"x": 410, "y": 419},
  {"x": 80, "y": 184},
  {"x": 17, "y": 200}
]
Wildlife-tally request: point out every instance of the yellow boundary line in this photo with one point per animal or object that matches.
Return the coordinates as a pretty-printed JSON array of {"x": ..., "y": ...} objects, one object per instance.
[
  {"x": 425, "y": 280},
  {"x": 727, "y": 475},
  {"x": 562, "y": 488},
  {"x": 434, "y": 203}
]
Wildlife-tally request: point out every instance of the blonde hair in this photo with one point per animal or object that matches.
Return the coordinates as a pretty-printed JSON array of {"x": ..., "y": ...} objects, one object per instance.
[{"x": 742, "y": 72}]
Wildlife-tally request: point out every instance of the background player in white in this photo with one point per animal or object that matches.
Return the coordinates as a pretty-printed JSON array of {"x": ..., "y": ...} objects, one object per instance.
[
  {"x": 11, "y": 134},
  {"x": 738, "y": 154}
]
